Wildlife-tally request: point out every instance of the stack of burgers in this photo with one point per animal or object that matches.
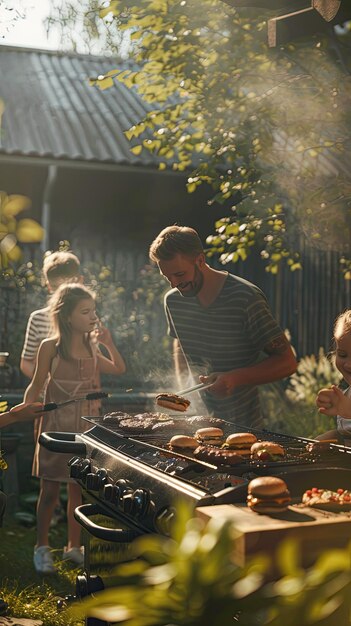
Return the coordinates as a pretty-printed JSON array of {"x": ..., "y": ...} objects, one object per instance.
[{"x": 268, "y": 495}]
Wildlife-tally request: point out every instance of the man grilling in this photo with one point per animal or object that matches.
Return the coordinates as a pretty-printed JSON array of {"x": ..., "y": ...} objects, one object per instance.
[{"x": 222, "y": 327}]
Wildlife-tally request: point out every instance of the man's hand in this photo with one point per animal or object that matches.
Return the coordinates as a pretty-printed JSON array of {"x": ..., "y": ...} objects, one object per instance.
[
  {"x": 222, "y": 383},
  {"x": 332, "y": 401}
]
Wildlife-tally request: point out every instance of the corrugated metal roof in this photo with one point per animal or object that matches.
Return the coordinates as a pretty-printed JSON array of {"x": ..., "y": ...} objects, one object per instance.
[{"x": 51, "y": 111}]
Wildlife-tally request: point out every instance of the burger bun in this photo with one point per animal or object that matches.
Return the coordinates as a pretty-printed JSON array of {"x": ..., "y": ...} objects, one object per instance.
[
  {"x": 241, "y": 439},
  {"x": 210, "y": 435},
  {"x": 265, "y": 450},
  {"x": 182, "y": 442},
  {"x": 240, "y": 442},
  {"x": 268, "y": 495}
]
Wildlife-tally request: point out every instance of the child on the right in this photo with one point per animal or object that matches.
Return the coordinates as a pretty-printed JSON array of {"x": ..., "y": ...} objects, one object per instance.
[{"x": 334, "y": 401}]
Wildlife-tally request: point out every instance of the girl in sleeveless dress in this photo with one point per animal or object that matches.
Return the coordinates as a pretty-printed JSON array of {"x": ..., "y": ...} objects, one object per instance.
[{"x": 70, "y": 364}]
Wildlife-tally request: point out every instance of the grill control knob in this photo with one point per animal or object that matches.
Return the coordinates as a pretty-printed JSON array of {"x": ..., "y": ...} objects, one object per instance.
[
  {"x": 140, "y": 502},
  {"x": 75, "y": 465},
  {"x": 96, "y": 480},
  {"x": 102, "y": 478},
  {"x": 92, "y": 482},
  {"x": 102, "y": 474},
  {"x": 127, "y": 501},
  {"x": 86, "y": 468},
  {"x": 107, "y": 491},
  {"x": 79, "y": 467},
  {"x": 111, "y": 493},
  {"x": 121, "y": 482},
  {"x": 164, "y": 520},
  {"x": 121, "y": 486}
]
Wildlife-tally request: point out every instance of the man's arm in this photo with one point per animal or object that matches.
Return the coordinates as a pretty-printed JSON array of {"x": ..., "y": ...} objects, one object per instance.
[{"x": 280, "y": 363}]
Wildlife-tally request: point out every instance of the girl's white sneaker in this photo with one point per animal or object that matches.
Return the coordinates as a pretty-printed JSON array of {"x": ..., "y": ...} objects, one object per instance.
[
  {"x": 76, "y": 555},
  {"x": 43, "y": 561}
]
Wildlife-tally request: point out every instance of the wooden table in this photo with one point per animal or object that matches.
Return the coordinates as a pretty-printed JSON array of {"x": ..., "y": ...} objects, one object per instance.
[{"x": 315, "y": 530}]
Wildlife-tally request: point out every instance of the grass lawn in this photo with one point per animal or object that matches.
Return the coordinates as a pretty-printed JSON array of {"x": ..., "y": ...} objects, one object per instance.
[{"x": 27, "y": 593}]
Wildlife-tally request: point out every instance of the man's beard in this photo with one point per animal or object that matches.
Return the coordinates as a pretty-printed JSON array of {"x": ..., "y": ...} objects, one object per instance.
[{"x": 195, "y": 285}]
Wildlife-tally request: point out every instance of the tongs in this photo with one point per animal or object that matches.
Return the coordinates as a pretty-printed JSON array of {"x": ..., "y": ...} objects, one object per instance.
[
  {"x": 198, "y": 387},
  {"x": 96, "y": 395}
]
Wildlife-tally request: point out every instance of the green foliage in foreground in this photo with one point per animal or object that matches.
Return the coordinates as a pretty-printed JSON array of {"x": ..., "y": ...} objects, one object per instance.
[{"x": 192, "y": 579}]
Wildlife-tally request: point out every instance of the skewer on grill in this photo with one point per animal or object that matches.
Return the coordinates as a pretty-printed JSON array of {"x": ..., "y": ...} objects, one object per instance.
[{"x": 97, "y": 395}]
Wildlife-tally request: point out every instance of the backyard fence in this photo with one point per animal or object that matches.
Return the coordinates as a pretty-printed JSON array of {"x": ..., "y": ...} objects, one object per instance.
[{"x": 305, "y": 302}]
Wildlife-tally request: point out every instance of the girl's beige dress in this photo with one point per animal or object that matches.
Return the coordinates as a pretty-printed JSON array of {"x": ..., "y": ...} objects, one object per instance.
[{"x": 67, "y": 379}]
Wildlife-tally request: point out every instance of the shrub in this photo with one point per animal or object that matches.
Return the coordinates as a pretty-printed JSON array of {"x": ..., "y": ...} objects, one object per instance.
[
  {"x": 313, "y": 373},
  {"x": 292, "y": 409}
]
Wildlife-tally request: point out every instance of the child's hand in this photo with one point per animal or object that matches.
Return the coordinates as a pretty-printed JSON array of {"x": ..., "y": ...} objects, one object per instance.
[
  {"x": 333, "y": 402},
  {"x": 27, "y": 411},
  {"x": 103, "y": 335}
]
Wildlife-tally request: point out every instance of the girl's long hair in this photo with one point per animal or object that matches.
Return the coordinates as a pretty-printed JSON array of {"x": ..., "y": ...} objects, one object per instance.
[{"x": 62, "y": 304}]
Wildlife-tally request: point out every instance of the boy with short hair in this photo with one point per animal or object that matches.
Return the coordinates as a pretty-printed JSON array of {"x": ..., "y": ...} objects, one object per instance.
[{"x": 58, "y": 267}]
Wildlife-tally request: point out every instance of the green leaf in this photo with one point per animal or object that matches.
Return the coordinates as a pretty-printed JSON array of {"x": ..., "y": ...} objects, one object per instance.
[
  {"x": 136, "y": 150},
  {"x": 14, "y": 204},
  {"x": 29, "y": 231},
  {"x": 104, "y": 83}
]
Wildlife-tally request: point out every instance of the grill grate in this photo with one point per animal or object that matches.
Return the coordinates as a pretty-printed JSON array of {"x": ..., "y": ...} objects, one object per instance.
[{"x": 295, "y": 447}]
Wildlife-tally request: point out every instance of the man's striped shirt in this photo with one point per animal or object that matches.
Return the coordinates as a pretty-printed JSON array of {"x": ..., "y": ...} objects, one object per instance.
[{"x": 229, "y": 334}]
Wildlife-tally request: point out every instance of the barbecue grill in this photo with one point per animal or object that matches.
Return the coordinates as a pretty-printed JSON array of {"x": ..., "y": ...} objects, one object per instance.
[
  {"x": 137, "y": 477},
  {"x": 295, "y": 447},
  {"x": 133, "y": 484}
]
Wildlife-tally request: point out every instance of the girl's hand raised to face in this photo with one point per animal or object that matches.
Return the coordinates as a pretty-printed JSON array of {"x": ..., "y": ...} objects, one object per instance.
[{"x": 103, "y": 335}]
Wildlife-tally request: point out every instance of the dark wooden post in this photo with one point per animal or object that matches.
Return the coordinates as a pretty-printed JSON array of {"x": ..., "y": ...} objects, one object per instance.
[{"x": 306, "y": 17}]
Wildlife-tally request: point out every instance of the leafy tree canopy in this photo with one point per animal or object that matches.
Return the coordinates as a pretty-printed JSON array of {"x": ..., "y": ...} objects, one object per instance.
[
  {"x": 15, "y": 231},
  {"x": 267, "y": 129}
]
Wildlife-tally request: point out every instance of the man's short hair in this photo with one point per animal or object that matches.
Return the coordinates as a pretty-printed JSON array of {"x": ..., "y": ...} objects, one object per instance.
[
  {"x": 58, "y": 265},
  {"x": 175, "y": 240}
]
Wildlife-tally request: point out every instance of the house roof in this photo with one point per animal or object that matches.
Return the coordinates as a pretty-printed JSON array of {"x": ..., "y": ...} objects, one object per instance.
[{"x": 52, "y": 112}]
